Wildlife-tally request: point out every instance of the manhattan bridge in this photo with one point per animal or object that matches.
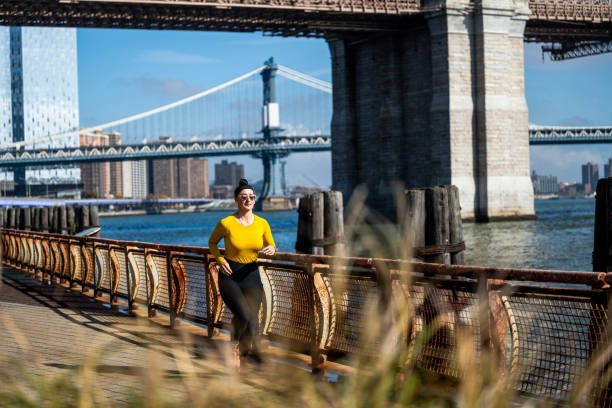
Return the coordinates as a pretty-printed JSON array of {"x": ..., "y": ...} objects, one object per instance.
[{"x": 231, "y": 119}]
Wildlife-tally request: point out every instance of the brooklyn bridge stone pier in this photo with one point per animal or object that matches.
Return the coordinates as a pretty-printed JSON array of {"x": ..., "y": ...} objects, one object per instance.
[{"x": 439, "y": 103}]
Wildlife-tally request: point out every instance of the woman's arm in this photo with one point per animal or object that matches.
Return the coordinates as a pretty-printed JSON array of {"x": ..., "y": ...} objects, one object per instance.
[
  {"x": 218, "y": 233},
  {"x": 269, "y": 246},
  {"x": 216, "y": 236}
]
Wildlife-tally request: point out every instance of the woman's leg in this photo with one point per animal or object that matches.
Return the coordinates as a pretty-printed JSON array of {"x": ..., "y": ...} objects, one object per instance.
[
  {"x": 232, "y": 295},
  {"x": 252, "y": 289}
]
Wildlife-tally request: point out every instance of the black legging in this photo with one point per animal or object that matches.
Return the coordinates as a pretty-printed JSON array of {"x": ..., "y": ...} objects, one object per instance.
[{"x": 242, "y": 293}]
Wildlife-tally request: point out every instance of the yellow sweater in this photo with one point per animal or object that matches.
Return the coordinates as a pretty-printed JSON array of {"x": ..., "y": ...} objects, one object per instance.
[{"x": 242, "y": 243}]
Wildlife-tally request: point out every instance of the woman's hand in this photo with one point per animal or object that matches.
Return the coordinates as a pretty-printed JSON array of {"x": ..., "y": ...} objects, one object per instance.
[
  {"x": 269, "y": 250},
  {"x": 225, "y": 268}
]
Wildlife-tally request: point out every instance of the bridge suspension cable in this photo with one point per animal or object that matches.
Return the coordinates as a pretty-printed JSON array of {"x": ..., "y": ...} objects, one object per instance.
[
  {"x": 305, "y": 79},
  {"x": 134, "y": 117}
]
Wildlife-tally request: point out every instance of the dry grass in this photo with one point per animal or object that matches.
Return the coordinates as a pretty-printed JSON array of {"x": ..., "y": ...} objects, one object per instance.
[{"x": 388, "y": 379}]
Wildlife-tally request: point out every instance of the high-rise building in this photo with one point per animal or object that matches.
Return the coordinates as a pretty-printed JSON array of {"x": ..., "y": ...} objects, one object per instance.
[
  {"x": 116, "y": 174},
  {"x": 134, "y": 179},
  {"x": 200, "y": 186},
  {"x": 183, "y": 178},
  {"x": 186, "y": 178},
  {"x": 228, "y": 174},
  {"x": 95, "y": 176},
  {"x": 590, "y": 175},
  {"x": 545, "y": 184},
  {"x": 39, "y": 96},
  {"x": 164, "y": 178}
]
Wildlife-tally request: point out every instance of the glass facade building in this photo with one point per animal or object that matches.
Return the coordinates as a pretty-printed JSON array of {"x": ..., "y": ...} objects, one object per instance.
[{"x": 39, "y": 95}]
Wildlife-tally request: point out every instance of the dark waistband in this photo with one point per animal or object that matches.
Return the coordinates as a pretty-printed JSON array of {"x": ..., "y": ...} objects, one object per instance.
[{"x": 241, "y": 270}]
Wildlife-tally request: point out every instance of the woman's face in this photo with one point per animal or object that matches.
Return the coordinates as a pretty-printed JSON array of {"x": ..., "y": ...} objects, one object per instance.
[{"x": 246, "y": 199}]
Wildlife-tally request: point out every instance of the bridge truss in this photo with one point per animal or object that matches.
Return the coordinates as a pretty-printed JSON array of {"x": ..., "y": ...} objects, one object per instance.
[
  {"x": 559, "y": 20},
  {"x": 75, "y": 155},
  {"x": 541, "y": 135}
]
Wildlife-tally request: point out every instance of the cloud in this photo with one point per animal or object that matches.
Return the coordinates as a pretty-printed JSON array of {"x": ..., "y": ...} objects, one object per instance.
[
  {"x": 174, "y": 88},
  {"x": 173, "y": 57}
]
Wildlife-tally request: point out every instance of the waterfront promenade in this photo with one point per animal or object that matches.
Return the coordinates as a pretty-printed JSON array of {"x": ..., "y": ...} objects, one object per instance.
[{"x": 59, "y": 341}]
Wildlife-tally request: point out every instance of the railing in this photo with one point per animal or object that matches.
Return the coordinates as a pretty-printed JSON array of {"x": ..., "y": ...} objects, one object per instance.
[
  {"x": 544, "y": 336},
  {"x": 595, "y": 11},
  {"x": 356, "y": 6}
]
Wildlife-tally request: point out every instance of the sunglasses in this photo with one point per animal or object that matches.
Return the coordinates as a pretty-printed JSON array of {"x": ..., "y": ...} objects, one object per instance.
[{"x": 245, "y": 197}]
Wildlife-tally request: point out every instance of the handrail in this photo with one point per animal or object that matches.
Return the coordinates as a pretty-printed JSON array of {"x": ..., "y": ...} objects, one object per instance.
[{"x": 468, "y": 271}]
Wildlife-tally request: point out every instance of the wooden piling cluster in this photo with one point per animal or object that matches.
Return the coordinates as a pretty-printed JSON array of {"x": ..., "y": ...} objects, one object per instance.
[
  {"x": 59, "y": 219},
  {"x": 321, "y": 224},
  {"x": 432, "y": 224}
]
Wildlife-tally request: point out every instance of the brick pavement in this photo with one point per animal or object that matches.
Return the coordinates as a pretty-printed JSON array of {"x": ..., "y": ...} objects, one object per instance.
[{"x": 69, "y": 344}]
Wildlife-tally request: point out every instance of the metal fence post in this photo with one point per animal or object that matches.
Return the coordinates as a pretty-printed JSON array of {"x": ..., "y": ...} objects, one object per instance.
[{"x": 170, "y": 288}]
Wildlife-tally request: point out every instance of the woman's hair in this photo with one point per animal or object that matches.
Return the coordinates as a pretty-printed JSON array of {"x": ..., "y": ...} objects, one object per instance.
[{"x": 243, "y": 184}]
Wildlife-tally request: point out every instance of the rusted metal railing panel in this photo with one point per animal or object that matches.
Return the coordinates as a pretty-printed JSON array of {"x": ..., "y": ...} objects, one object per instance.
[
  {"x": 88, "y": 266},
  {"x": 286, "y": 313},
  {"x": 553, "y": 336},
  {"x": 103, "y": 269},
  {"x": 196, "y": 293}
]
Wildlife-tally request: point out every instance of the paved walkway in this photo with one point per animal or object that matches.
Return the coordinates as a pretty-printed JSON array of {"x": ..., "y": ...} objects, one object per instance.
[{"x": 57, "y": 342}]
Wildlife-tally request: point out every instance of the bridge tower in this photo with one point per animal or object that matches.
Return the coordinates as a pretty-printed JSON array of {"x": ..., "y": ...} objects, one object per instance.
[
  {"x": 442, "y": 102},
  {"x": 273, "y": 196}
]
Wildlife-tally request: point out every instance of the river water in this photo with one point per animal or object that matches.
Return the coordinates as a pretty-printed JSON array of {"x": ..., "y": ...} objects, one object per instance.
[{"x": 561, "y": 238}]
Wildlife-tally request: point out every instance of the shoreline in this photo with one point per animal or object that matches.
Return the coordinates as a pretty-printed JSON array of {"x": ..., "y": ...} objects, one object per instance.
[{"x": 166, "y": 211}]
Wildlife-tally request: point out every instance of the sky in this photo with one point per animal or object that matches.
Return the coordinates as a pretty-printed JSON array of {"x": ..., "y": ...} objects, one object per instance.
[{"x": 123, "y": 72}]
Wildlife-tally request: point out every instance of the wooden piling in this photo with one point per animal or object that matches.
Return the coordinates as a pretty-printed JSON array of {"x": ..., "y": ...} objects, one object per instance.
[
  {"x": 83, "y": 218},
  {"x": 70, "y": 220},
  {"x": 26, "y": 219},
  {"x": 44, "y": 219},
  {"x": 62, "y": 226},
  {"x": 54, "y": 220},
  {"x": 432, "y": 224},
  {"x": 413, "y": 221},
  {"x": 455, "y": 224},
  {"x": 311, "y": 225},
  {"x": 10, "y": 217},
  {"x": 321, "y": 224},
  {"x": 94, "y": 217},
  {"x": 35, "y": 214},
  {"x": 437, "y": 229},
  {"x": 2, "y": 217},
  {"x": 333, "y": 223}
]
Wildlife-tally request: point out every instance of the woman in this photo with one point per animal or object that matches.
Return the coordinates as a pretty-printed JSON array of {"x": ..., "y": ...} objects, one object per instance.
[{"x": 244, "y": 234}]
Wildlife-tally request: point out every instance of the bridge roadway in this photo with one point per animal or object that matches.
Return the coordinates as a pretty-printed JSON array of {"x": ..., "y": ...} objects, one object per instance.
[
  {"x": 57, "y": 342},
  {"x": 538, "y": 135},
  {"x": 558, "y": 20}
]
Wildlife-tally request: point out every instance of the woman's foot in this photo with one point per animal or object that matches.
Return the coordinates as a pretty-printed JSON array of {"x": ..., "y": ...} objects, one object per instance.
[{"x": 236, "y": 355}]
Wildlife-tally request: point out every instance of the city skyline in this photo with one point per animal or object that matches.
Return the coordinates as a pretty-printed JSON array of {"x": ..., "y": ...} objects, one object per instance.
[{"x": 149, "y": 68}]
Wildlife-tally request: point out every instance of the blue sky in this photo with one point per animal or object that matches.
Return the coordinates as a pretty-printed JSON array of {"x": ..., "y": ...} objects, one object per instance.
[{"x": 122, "y": 72}]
